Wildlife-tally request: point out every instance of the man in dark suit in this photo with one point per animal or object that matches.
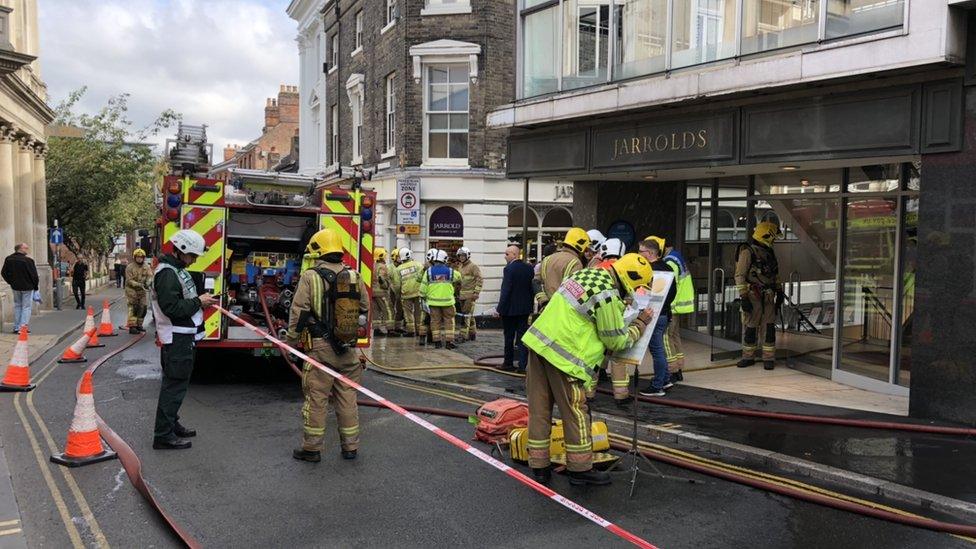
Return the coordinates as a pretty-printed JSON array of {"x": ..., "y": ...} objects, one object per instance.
[{"x": 514, "y": 306}]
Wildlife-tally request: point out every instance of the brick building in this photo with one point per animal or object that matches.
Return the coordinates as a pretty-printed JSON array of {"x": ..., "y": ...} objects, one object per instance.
[
  {"x": 275, "y": 142},
  {"x": 401, "y": 89}
]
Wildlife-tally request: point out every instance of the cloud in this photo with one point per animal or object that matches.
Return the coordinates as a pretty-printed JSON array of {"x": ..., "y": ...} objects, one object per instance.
[{"x": 214, "y": 61}]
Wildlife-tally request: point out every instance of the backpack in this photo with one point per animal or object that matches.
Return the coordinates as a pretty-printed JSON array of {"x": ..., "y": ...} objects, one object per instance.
[{"x": 341, "y": 307}]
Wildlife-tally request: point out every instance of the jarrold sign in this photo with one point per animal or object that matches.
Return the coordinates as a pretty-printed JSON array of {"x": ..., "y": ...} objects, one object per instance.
[{"x": 671, "y": 142}]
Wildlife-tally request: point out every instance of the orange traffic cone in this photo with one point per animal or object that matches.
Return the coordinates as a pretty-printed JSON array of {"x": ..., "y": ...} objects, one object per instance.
[
  {"x": 105, "y": 329},
  {"x": 84, "y": 445},
  {"x": 90, "y": 329},
  {"x": 75, "y": 353},
  {"x": 17, "y": 377}
]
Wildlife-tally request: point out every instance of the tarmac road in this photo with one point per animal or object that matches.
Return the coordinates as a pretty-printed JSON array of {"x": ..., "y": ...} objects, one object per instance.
[{"x": 239, "y": 487}]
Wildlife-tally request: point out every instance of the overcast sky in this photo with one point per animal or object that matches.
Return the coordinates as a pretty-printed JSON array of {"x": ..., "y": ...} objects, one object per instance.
[{"x": 214, "y": 61}]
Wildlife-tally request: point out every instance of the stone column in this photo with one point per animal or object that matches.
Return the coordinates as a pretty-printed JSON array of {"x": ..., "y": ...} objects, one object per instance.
[
  {"x": 42, "y": 249},
  {"x": 7, "y": 208},
  {"x": 24, "y": 216}
]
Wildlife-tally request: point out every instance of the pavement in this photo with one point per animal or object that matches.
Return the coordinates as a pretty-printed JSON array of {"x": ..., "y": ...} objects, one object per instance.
[
  {"x": 239, "y": 487},
  {"x": 913, "y": 460}
]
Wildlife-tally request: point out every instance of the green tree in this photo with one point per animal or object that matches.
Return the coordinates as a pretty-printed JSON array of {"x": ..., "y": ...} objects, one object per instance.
[{"x": 102, "y": 183}]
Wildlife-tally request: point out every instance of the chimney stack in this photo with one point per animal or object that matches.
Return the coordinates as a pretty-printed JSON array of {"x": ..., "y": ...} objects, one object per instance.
[{"x": 229, "y": 152}]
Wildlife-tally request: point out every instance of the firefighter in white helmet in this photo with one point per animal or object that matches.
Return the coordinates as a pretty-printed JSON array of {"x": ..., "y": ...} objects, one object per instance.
[
  {"x": 592, "y": 254},
  {"x": 471, "y": 283},
  {"x": 437, "y": 289},
  {"x": 179, "y": 324}
]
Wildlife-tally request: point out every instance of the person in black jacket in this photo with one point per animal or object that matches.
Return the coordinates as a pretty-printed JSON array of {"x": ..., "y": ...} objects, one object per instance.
[
  {"x": 20, "y": 273},
  {"x": 514, "y": 306},
  {"x": 79, "y": 274}
]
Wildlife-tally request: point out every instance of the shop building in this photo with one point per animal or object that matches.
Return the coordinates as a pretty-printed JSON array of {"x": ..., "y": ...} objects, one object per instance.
[
  {"x": 399, "y": 90},
  {"x": 850, "y": 123}
]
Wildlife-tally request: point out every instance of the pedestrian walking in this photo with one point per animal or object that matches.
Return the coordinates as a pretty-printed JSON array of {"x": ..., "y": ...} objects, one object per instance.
[
  {"x": 469, "y": 292},
  {"x": 437, "y": 290},
  {"x": 514, "y": 307},
  {"x": 79, "y": 277},
  {"x": 330, "y": 305},
  {"x": 138, "y": 279},
  {"x": 20, "y": 273},
  {"x": 650, "y": 249},
  {"x": 583, "y": 319},
  {"x": 178, "y": 311},
  {"x": 118, "y": 267}
]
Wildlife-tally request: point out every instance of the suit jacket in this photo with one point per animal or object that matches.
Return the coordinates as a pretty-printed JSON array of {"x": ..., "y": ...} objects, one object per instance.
[{"x": 517, "y": 296}]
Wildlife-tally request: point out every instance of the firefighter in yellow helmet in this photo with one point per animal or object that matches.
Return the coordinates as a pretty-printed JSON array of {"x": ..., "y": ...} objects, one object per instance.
[
  {"x": 557, "y": 267},
  {"x": 138, "y": 278},
  {"x": 382, "y": 308},
  {"x": 760, "y": 294},
  {"x": 584, "y": 318},
  {"x": 328, "y": 298}
]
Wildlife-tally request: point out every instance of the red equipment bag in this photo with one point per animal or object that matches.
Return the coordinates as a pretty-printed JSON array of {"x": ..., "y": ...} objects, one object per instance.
[{"x": 498, "y": 417}]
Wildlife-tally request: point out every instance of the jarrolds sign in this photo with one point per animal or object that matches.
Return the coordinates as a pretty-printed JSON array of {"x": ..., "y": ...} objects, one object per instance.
[{"x": 665, "y": 143}]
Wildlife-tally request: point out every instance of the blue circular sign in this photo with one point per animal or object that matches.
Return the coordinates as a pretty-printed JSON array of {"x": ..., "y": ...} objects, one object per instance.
[{"x": 623, "y": 230}]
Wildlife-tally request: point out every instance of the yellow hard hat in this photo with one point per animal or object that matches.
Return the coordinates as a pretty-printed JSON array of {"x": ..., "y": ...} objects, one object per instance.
[
  {"x": 634, "y": 271},
  {"x": 139, "y": 252},
  {"x": 396, "y": 254},
  {"x": 577, "y": 239},
  {"x": 660, "y": 242},
  {"x": 766, "y": 232},
  {"x": 324, "y": 242},
  {"x": 380, "y": 253}
]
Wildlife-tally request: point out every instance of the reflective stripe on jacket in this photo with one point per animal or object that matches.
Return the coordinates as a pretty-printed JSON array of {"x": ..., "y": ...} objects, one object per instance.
[
  {"x": 176, "y": 308},
  {"x": 582, "y": 320},
  {"x": 684, "y": 300}
]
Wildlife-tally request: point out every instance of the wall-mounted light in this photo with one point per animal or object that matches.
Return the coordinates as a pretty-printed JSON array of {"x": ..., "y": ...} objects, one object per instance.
[{"x": 789, "y": 168}]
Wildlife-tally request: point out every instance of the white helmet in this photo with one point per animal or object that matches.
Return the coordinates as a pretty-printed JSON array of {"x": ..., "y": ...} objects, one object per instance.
[
  {"x": 441, "y": 256},
  {"x": 463, "y": 250},
  {"x": 596, "y": 239},
  {"x": 189, "y": 242},
  {"x": 431, "y": 254},
  {"x": 613, "y": 247},
  {"x": 405, "y": 254}
]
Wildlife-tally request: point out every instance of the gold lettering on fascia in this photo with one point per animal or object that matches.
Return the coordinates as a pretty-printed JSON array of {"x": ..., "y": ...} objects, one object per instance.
[{"x": 674, "y": 141}]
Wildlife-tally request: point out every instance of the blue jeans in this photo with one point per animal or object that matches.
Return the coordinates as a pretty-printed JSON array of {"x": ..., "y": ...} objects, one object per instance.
[
  {"x": 22, "y": 308},
  {"x": 656, "y": 346}
]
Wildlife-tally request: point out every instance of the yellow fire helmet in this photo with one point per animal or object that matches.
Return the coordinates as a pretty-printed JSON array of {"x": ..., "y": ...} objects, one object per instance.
[
  {"x": 634, "y": 271},
  {"x": 380, "y": 254},
  {"x": 767, "y": 232},
  {"x": 660, "y": 242},
  {"x": 395, "y": 255},
  {"x": 139, "y": 252},
  {"x": 577, "y": 239},
  {"x": 324, "y": 242}
]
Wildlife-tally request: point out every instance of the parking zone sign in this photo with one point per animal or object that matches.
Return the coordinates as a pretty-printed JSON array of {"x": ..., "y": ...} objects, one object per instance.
[{"x": 408, "y": 201}]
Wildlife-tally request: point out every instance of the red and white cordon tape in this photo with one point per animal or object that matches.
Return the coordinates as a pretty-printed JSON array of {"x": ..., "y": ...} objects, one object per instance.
[{"x": 568, "y": 503}]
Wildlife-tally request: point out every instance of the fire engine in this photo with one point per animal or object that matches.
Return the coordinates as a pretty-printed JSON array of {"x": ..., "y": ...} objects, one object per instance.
[{"x": 256, "y": 227}]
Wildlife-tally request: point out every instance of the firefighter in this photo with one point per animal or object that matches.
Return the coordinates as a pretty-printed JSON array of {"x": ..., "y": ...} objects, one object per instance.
[
  {"x": 382, "y": 311},
  {"x": 757, "y": 279},
  {"x": 409, "y": 287},
  {"x": 437, "y": 290},
  {"x": 592, "y": 254},
  {"x": 138, "y": 276},
  {"x": 683, "y": 304},
  {"x": 557, "y": 267},
  {"x": 178, "y": 311},
  {"x": 566, "y": 344},
  {"x": 314, "y": 320},
  {"x": 394, "y": 297},
  {"x": 611, "y": 250},
  {"x": 471, "y": 283}
]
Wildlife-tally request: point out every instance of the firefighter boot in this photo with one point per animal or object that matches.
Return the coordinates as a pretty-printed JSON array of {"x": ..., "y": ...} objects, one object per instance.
[
  {"x": 598, "y": 478},
  {"x": 768, "y": 365},
  {"x": 349, "y": 454},
  {"x": 450, "y": 345},
  {"x": 746, "y": 362},
  {"x": 542, "y": 475},
  {"x": 307, "y": 455}
]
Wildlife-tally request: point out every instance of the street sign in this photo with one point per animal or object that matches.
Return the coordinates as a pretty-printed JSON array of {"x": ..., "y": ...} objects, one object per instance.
[
  {"x": 408, "y": 202},
  {"x": 408, "y": 229},
  {"x": 57, "y": 236}
]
